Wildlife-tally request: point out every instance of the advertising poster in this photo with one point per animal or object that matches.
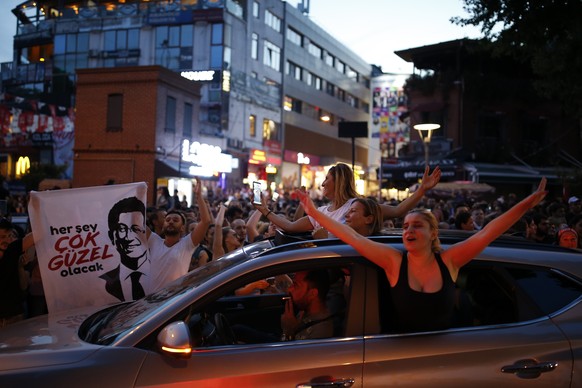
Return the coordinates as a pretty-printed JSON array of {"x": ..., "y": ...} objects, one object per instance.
[{"x": 390, "y": 122}]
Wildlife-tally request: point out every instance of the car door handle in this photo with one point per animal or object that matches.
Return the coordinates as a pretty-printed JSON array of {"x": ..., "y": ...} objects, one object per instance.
[
  {"x": 327, "y": 382},
  {"x": 529, "y": 369}
]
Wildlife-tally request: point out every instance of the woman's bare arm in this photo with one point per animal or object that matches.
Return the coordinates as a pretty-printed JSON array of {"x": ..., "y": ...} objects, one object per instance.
[
  {"x": 462, "y": 252},
  {"x": 427, "y": 183},
  {"x": 381, "y": 254}
]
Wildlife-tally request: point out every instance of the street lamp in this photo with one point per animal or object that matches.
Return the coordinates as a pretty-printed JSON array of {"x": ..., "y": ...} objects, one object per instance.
[{"x": 425, "y": 132}]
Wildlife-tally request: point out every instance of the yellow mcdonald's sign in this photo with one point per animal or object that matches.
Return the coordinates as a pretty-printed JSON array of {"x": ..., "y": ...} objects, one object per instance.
[{"x": 22, "y": 166}]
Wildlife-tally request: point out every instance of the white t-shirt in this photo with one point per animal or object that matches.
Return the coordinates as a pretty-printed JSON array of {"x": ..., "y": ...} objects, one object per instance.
[
  {"x": 168, "y": 263},
  {"x": 338, "y": 214}
]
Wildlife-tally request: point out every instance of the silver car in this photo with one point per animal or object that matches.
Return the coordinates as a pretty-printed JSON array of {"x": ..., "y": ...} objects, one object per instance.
[{"x": 518, "y": 323}]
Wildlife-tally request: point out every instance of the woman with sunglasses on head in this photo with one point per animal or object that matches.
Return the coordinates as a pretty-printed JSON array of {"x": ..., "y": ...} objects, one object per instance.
[
  {"x": 423, "y": 277},
  {"x": 340, "y": 188}
]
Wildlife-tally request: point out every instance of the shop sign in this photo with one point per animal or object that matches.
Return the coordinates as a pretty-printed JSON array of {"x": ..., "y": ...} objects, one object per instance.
[
  {"x": 206, "y": 159},
  {"x": 258, "y": 157},
  {"x": 198, "y": 75},
  {"x": 301, "y": 158}
]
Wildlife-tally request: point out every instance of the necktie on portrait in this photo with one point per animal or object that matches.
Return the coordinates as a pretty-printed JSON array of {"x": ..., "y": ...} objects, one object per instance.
[{"x": 136, "y": 288}]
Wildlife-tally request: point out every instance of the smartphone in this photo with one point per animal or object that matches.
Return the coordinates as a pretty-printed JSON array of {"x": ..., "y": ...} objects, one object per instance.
[{"x": 257, "y": 193}]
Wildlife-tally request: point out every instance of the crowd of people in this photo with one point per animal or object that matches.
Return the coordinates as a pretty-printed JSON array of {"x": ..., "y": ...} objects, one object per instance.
[{"x": 182, "y": 236}]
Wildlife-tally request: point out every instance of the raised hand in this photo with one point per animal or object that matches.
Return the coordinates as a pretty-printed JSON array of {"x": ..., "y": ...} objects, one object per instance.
[
  {"x": 306, "y": 202},
  {"x": 430, "y": 181},
  {"x": 537, "y": 196}
]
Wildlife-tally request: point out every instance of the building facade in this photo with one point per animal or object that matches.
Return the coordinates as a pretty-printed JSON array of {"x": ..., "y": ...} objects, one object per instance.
[
  {"x": 119, "y": 139},
  {"x": 494, "y": 127},
  {"x": 273, "y": 85}
]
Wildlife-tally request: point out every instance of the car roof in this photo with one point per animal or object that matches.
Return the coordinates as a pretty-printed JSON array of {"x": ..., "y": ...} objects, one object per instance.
[{"x": 506, "y": 248}]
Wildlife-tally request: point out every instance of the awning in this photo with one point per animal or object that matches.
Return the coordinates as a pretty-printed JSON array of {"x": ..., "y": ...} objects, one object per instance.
[
  {"x": 448, "y": 189},
  {"x": 507, "y": 173},
  {"x": 413, "y": 172}
]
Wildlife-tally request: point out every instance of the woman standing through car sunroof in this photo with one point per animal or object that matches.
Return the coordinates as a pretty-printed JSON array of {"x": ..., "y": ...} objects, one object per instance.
[
  {"x": 340, "y": 188},
  {"x": 422, "y": 277}
]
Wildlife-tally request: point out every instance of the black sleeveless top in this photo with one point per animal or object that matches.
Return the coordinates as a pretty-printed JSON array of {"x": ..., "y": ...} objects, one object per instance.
[{"x": 421, "y": 311}]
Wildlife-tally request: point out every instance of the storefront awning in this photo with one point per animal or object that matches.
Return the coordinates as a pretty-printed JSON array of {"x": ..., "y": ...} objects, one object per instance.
[
  {"x": 411, "y": 173},
  {"x": 448, "y": 189},
  {"x": 506, "y": 173}
]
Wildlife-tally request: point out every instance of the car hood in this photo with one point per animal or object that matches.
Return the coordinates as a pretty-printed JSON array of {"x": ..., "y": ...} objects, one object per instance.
[{"x": 45, "y": 340}]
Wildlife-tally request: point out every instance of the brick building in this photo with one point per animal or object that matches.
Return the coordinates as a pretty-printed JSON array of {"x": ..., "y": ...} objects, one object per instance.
[{"x": 123, "y": 125}]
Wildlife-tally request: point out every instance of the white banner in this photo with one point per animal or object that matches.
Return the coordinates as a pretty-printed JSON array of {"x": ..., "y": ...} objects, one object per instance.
[{"x": 79, "y": 235}]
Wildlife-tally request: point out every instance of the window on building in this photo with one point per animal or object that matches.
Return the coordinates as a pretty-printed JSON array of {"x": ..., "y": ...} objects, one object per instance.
[
  {"x": 366, "y": 108},
  {"x": 315, "y": 50},
  {"x": 365, "y": 81},
  {"x": 254, "y": 46},
  {"x": 329, "y": 60},
  {"x": 170, "y": 114},
  {"x": 71, "y": 52},
  {"x": 271, "y": 130},
  {"x": 272, "y": 56},
  {"x": 272, "y": 21},
  {"x": 214, "y": 116},
  {"x": 310, "y": 111},
  {"x": 214, "y": 90},
  {"x": 187, "y": 130},
  {"x": 294, "y": 71},
  {"x": 216, "y": 48},
  {"x": 256, "y": 9},
  {"x": 340, "y": 66},
  {"x": 121, "y": 47},
  {"x": 294, "y": 37},
  {"x": 114, "y": 112},
  {"x": 174, "y": 47},
  {"x": 288, "y": 103},
  {"x": 340, "y": 94},
  {"x": 292, "y": 104},
  {"x": 253, "y": 126},
  {"x": 330, "y": 88},
  {"x": 318, "y": 83},
  {"x": 351, "y": 100},
  {"x": 35, "y": 54},
  {"x": 308, "y": 78},
  {"x": 351, "y": 74}
]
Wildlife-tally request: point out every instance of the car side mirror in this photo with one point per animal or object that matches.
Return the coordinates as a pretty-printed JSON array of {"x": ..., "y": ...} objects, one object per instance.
[{"x": 174, "y": 340}]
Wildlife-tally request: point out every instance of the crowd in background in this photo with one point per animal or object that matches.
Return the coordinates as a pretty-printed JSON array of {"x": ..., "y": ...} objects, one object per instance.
[
  {"x": 461, "y": 211},
  {"x": 236, "y": 222}
]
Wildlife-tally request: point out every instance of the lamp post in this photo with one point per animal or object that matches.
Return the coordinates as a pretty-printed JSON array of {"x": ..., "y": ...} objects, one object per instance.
[{"x": 425, "y": 132}]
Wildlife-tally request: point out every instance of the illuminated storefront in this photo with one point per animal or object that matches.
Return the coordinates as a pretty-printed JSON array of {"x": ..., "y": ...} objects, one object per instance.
[{"x": 197, "y": 161}]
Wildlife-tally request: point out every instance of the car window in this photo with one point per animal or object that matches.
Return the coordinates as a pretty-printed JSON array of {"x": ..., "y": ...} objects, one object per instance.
[
  {"x": 550, "y": 290},
  {"x": 250, "y": 310},
  {"x": 490, "y": 293}
]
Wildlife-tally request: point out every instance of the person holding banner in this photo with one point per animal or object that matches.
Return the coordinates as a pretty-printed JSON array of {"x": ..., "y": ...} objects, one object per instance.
[{"x": 171, "y": 255}]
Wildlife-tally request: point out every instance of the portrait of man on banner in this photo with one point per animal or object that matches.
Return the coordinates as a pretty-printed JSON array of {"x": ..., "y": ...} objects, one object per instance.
[
  {"x": 127, "y": 233},
  {"x": 91, "y": 244}
]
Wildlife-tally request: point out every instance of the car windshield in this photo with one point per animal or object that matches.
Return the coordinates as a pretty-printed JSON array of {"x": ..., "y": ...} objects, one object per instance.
[{"x": 104, "y": 326}]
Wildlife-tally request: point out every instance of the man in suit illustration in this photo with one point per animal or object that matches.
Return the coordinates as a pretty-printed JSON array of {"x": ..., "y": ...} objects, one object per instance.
[{"x": 126, "y": 222}]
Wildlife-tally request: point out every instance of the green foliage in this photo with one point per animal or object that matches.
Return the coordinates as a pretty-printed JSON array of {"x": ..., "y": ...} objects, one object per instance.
[
  {"x": 545, "y": 35},
  {"x": 38, "y": 172}
]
